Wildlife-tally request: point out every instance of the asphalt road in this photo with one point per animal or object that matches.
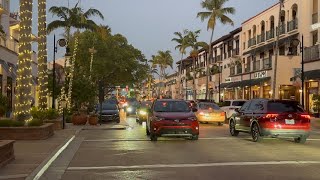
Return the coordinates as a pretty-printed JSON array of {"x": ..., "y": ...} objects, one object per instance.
[{"x": 129, "y": 155}]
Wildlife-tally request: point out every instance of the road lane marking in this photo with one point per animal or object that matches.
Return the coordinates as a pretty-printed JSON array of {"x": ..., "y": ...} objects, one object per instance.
[
  {"x": 216, "y": 138},
  {"x": 53, "y": 158},
  {"x": 154, "y": 166}
]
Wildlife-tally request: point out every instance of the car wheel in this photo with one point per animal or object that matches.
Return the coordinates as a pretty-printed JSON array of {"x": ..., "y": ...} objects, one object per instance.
[
  {"x": 153, "y": 137},
  {"x": 300, "y": 140},
  {"x": 195, "y": 137},
  {"x": 147, "y": 131},
  {"x": 233, "y": 130},
  {"x": 255, "y": 133},
  {"x": 118, "y": 121}
]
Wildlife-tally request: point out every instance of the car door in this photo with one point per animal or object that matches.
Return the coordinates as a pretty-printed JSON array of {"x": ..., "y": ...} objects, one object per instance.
[
  {"x": 241, "y": 115},
  {"x": 249, "y": 114}
]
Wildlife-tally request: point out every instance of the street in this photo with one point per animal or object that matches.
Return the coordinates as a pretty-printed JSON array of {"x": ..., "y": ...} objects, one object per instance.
[{"x": 129, "y": 154}]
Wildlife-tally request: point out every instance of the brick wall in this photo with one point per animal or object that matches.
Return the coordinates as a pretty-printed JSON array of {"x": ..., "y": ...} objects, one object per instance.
[
  {"x": 27, "y": 133},
  {"x": 6, "y": 152}
]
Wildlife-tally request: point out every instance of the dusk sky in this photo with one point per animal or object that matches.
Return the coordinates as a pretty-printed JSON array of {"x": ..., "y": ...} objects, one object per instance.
[{"x": 149, "y": 24}]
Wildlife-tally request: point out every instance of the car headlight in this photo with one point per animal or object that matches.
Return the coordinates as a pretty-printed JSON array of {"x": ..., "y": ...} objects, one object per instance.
[
  {"x": 129, "y": 109},
  {"x": 192, "y": 118},
  {"x": 143, "y": 113}
]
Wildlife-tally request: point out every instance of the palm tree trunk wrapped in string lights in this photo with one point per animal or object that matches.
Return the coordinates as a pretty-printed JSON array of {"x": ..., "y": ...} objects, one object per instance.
[
  {"x": 72, "y": 64},
  {"x": 24, "y": 72},
  {"x": 42, "y": 55}
]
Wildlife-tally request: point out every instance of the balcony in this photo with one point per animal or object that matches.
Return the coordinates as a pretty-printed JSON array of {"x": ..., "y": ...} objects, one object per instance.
[
  {"x": 267, "y": 63},
  {"x": 252, "y": 42},
  {"x": 315, "y": 18},
  {"x": 261, "y": 38},
  {"x": 312, "y": 53},
  {"x": 292, "y": 25},
  {"x": 270, "y": 34},
  {"x": 282, "y": 28},
  {"x": 10, "y": 44}
]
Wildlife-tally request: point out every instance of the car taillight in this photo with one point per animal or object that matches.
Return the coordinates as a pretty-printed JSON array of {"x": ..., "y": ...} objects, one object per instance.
[
  {"x": 305, "y": 116},
  {"x": 272, "y": 117},
  {"x": 222, "y": 114}
]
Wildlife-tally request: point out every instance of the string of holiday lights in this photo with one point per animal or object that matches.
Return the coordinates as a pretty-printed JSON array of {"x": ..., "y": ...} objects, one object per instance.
[
  {"x": 72, "y": 64},
  {"x": 42, "y": 55},
  {"x": 24, "y": 72}
]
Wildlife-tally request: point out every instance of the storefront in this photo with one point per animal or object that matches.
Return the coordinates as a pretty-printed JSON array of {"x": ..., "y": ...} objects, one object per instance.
[{"x": 312, "y": 88}]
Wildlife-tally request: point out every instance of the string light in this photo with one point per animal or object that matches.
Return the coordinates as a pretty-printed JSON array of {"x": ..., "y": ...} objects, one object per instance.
[
  {"x": 24, "y": 72},
  {"x": 72, "y": 64},
  {"x": 42, "y": 56}
]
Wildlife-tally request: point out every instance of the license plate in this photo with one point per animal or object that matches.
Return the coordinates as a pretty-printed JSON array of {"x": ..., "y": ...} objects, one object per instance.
[{"x": 290, "y": 121}]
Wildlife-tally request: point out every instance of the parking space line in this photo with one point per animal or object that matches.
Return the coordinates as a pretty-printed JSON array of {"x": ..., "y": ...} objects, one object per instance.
[{"x": 193, "y": 165}]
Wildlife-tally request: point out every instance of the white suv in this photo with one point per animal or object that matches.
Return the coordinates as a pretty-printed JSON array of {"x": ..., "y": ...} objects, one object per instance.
[{"x": 230, "y": 106}]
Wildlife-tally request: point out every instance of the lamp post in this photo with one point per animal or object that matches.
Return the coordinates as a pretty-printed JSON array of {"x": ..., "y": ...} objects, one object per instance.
[
  {"x": 62, "y": 43},
  {"x": 296, "y": 43},
  {"x": 64, "y": 106}
]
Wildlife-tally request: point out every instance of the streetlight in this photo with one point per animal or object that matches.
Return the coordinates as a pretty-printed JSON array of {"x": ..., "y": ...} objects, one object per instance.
[
  {"x": 296, "y": 43},
  {"x": 64, "y": 106},
  {"x": 62, "y": 43}
]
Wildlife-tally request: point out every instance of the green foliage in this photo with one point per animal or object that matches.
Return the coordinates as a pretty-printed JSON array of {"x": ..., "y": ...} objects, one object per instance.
[
  {"x": 3, "y": 105},
  {"x": 316, "y": 103},
  {"x": 38, "y": 114},
  {"x": 52, "y": 114},
  {"x": 49, "y": 114},
  {"x": 11, "y": 123},
  {"x": 35, "y": 122}
]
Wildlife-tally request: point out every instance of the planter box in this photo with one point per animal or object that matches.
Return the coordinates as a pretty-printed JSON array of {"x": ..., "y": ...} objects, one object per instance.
[
  {"x": 6, "y": 152},
  {"x": 57, "y": 123},
  {"x": 27, "y": 133}
]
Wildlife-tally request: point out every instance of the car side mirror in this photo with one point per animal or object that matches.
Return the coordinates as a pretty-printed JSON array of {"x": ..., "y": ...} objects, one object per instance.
[
  {"x": 237, "y": 110},
  {"x": 194, "y": 109}
]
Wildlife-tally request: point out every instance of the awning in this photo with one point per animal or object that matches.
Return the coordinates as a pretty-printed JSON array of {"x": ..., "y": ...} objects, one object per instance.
[
  {"x": 308, "y": 75},
  {"x": 245, "y": 83}
]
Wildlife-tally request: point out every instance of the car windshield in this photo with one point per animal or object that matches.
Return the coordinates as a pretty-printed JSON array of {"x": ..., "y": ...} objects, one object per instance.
[
  {"x": 108, "y": 106},
  {"x": 171, "y": 106},
  {"x": 237, "y": 103},
  {"x": 208, "y": 106},
  {"x": 284, "y": 106}
]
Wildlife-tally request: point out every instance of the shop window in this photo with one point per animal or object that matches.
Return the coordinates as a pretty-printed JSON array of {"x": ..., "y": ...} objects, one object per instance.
[
  {"x": 266, "y": 92},
  {"x": 239, "y": 93},
  {"x": 314, "y": 37}
]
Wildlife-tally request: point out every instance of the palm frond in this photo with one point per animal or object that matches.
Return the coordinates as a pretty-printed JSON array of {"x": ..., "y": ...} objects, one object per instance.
[
  {"x": 56, "y": 24},
  {"x": 93, "y": 12}
]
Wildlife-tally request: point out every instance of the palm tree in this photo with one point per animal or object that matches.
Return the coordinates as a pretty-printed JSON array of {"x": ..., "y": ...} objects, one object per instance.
[
  {"x": 73, "y": 18},
  {"x": 42, "y": 55},
  {"x": 163, "y": 60},
  {"x": 195, "y": 46},
  {"x": 182, "y": 45},
  {"x": 24, "y": 74},
  {"x": 150, "y": 78},
  {"x": 215, "y": 12}
]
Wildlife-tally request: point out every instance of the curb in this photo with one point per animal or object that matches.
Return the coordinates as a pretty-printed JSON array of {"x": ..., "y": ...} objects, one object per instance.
[
  {"x": 120, "y": 128},
  {"x": 33, "y": 174}
]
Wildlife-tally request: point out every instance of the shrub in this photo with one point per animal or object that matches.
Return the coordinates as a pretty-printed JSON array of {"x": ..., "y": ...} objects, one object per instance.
[
  {"x": 52, "y": 114},
  {"x": 11, "y": 123},
  {"x": 38, "y": 114},
  {"x": 35, "y": 122}
]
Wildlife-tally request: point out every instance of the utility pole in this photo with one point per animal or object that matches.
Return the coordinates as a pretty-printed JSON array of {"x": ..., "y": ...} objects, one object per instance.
[{"x": 277, "y": 52}]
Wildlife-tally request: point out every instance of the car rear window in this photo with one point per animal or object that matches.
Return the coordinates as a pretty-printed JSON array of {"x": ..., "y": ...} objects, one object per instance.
[
  {"x": 284, "y": 106},
  {"x": 238, "y": 103},
  {"x": 207, "y": 106},
  {"x": 171, "y": 106}
]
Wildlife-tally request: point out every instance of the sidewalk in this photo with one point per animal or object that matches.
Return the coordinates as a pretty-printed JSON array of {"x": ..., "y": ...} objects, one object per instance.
[
  {"x": 315, "y": 123},
  {"x": 30, "y": 154}
]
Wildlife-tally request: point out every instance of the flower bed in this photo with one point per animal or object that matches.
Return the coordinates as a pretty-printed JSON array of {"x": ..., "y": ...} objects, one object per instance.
[
  {"x": 6, "y": 152},
  {"x": 27, "y": 133}
]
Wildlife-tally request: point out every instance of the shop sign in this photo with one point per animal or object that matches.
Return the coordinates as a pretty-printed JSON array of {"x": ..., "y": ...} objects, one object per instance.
[
  {"x": 228, "y": 80},
  {"x": 261, "y": 74}
]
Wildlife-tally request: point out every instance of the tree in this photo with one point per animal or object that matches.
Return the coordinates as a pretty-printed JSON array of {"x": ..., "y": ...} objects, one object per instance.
[
  {"x": 163, "y": 59},
  {"x": 195, "y": 46},
  {"x": 150, "y": 78},
  {"x": 182, "y": 44},
  {"x": 24, "y": 74},
  {"x": 215, "y": 12},
  {"x": 42, "y": 55},
  {"x": 73, "y": 18}
]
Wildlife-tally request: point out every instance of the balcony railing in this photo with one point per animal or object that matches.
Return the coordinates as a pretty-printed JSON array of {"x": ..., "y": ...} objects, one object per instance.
[
  {"x": 267, "y": 63},
  {"x": 252, "y": 42},
  {"x": 292, "y": 25},
  {"x": 10, "y": 44},
  {"x": 270, "y": 34},
  {"x": 315, "y": 18},
  {"x": 235, "y": 52},
  {"x": 312, "y": 53},
  {"x": 261, "y": 38},
  {"x": 282, "y": 28}
]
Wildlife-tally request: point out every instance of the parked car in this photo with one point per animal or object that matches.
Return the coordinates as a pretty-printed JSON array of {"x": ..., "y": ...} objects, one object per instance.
[
  {"x": 229, "y": 106},
  {"x": 110, "y": 112},
  {"x": 172, "y": 118},
  {"x": 132, "y": 105},
  {"x": 210, "y": 112},
  {"x": 142, "y": 111},
  {"x": 275, "y": 118}
]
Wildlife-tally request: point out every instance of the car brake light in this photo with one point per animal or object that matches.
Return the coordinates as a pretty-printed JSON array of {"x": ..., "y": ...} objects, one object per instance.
[
  {"x": 306, "y": 116},
  {"x": 271, "y": 116},
  {"x": 201, "y": 113},
  {"x": 222, "y": 114}
]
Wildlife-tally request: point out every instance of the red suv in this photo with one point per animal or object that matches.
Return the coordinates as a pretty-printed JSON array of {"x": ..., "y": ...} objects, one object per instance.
[
  {"x": 275, "y": 118},
  {"x": 172, "y": 118}
]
